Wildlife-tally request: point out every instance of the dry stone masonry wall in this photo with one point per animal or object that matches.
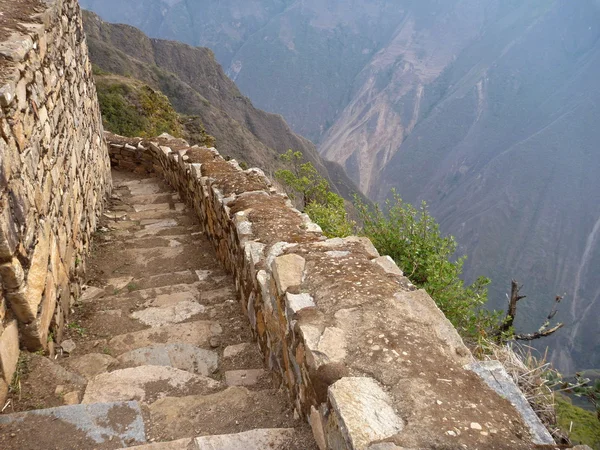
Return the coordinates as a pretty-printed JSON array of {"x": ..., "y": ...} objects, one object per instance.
[
  {"x": 54, "y": 175},
  {"x": 368, "y": 359}
]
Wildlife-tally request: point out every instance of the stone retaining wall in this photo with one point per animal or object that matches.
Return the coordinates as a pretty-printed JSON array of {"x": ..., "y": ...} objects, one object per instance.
[
  {"x": 368, "y": 359},
  {"x": 54, "y": 175}
]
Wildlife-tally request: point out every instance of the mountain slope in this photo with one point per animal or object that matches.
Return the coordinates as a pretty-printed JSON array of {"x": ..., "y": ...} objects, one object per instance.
[{"x": 196, "y": 85}]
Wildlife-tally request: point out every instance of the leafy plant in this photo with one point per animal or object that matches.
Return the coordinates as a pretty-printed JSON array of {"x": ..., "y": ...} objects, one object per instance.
[
  {"x": 312, "y": 191},
  {"x": 77, "y": 328},
  {"x": 411, "y": 237}
]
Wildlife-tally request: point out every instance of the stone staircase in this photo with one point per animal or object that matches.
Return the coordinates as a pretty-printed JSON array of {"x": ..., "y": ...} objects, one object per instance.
[{"x": 159, "y": 355}]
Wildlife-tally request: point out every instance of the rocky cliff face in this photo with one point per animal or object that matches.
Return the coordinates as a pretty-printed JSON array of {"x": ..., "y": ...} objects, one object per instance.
[{"x": 487, "y": 110}]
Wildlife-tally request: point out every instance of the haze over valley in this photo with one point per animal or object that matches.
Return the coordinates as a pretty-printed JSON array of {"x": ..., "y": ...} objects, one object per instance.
[{"x": 488, "y": 110}]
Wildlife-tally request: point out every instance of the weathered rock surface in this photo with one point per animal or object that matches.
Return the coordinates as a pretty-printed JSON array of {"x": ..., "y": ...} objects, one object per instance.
[
  {"x": 194, "y": 333},
  {"x": 179, "y": 355},
  {"x": 145, "y": 382},
  {"x": 84, "y": 426}
]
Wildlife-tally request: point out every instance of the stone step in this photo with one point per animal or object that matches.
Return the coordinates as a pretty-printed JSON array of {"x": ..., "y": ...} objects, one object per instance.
[
  {"x": 153, "y": 198},
  {"x": 178, "y": 355},
  {"x": 164, "y": 227},
  {"x": 147, "y": 188},
  {"x": 157, "y": 260},
  {"x": 156, "y": 317},
  {"x": 137, "y": 182},
  {"x": 141, "y": 207},
  {"x": 259, "y": 439},
  {"x": 105, "y": 425},
  {"x": 196, "y": 333},
  {"x": 176, "y": 240},
  {"x": 272, "y": 439},
  {"x": 232, "y": 410},
  {"x": 154, "y": 214},
  {"x": 146, "y": 384}
]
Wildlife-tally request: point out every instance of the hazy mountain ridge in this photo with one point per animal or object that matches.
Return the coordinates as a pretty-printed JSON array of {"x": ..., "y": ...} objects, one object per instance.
[
  {"x": 197, "y": 85},
  {"x": 487, "y": 110}
]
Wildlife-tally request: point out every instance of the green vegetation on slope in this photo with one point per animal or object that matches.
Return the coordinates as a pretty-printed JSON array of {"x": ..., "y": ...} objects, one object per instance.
[
  {"x": 582, "y": 426},
  {"x": 132, "y": 108}
]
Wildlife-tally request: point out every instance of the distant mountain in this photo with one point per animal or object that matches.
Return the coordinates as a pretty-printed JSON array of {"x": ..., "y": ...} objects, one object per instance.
[
  {"x": 197, "y": 86},
  {"x": 486, "y": 109}
]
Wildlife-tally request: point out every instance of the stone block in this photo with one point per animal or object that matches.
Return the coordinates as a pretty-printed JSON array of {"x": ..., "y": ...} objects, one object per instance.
[
  {"x": 9, "y": 351},
  {"x": 16, "y": 47},
  {"x": 8, "y": 232},
  {"x": 316, "y": 424},
  {"x": 362, "y": 412},
  {"x": 35, "y": 334},
  {"x": 26, "y": 300},
  {"x": 388, "y": 265},
  {"x": 297, "y": 302},
  {"x": 288, "y": 272},
  {"x": 12, "y": 274}
]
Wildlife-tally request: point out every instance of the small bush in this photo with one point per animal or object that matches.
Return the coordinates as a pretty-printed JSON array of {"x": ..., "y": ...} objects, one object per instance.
[
  {"x": 305, "y": 185},
  {"x": 411, "y": 237}
]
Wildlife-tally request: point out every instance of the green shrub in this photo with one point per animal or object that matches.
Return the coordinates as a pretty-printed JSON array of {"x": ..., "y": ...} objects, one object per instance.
[
  {"x": 133, "y": 109},
  {"x": 411, "y": 237},
  {"x": 304, "y": 184}
]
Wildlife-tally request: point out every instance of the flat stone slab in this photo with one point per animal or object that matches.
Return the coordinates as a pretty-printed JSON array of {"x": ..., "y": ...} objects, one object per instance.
[
  {"x": 179, "y": 355},
  {"x": 194, "y": 333},
  {"x": 232, "y": 351},
  {"x": 83, "y": 426},
  {"x": 272, "y": 439},
  {"x": 167, "y": 315},
  {"x": 145, "y": 382},
  {"x": 151, "y": 207},
  {"x": 364, "y": 411},
  {"x": 90, "y": 365},
  {"x": 169, "y": 295},
  {"x": 152, "y": 198}
]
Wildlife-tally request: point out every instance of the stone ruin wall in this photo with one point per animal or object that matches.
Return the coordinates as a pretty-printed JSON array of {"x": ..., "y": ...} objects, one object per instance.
[
  {"x": 368, "y": 359},
  {"x": 54, "y": 175}
]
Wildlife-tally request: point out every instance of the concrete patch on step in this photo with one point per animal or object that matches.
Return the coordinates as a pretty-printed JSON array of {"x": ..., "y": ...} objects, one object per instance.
[
  {"x": 179, "y": 355},
  {"x": 145, "y": 383}
]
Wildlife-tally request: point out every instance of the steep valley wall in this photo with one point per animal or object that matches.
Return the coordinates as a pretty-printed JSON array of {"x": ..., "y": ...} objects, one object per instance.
[{"x": 54, "y": 173}]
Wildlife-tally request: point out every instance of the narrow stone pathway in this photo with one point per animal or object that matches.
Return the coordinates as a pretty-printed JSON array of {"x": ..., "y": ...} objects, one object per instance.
[{"x": 158, "y": 353}]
